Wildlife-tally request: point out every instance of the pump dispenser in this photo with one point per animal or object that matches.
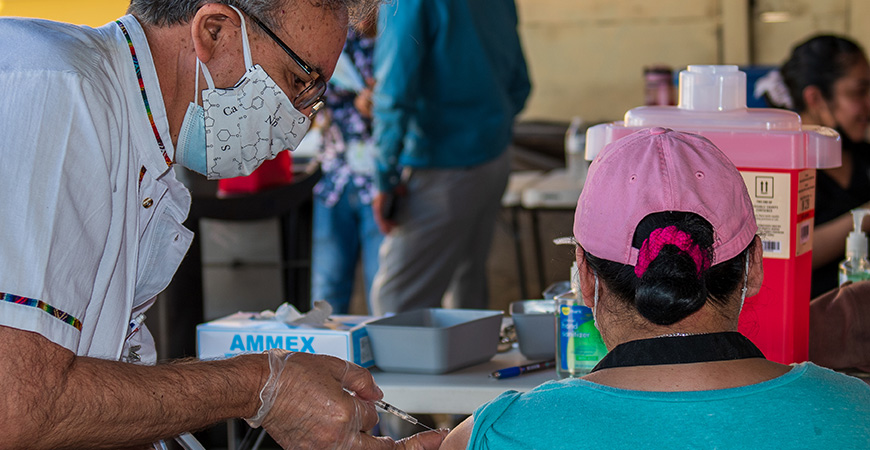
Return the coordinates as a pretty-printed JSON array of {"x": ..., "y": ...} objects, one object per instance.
[{"x": 856, "y": 267}]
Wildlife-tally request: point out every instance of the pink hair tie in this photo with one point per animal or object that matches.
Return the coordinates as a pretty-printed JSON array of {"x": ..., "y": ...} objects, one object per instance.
[{"x": 660, "y": 237}]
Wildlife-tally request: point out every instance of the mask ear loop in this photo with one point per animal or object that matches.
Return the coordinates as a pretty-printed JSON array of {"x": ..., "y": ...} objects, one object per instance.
[
  {"x": 246, "y": 47},
  {"x": 208, "y": 80},
  {"x": 196, "y": 92},
  {"x": 595, "y": 295},
  {"x": 745, "y": 283},
  {"x": 595, "y": 302}
]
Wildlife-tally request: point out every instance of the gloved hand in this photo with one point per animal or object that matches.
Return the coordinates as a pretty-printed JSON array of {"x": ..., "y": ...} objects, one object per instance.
[{"x": 304, "y": 404}]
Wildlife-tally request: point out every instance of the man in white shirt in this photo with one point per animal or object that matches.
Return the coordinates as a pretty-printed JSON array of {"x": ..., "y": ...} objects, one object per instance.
[{"x": 92, "y": 121}]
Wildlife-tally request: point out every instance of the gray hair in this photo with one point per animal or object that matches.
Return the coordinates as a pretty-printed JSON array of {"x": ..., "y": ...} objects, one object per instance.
[{"x": 172, "y": 12}]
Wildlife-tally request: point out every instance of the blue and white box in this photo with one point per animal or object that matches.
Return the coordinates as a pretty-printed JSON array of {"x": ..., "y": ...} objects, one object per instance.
[{"x": 343, "y": 336}]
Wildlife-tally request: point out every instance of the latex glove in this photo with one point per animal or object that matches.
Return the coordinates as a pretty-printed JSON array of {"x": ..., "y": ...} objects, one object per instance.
[{"x": 304, "y": 404}]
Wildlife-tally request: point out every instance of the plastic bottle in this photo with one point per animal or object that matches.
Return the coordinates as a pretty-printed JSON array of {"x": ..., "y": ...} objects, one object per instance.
[
  {"x": 575, "y": 149},
  {"x": 856, "y": 267},
  {"x": 578, "y": 343}
]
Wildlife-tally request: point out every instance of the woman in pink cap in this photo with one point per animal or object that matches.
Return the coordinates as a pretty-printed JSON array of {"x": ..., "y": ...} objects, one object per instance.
[{"x": 667, "y": 253}]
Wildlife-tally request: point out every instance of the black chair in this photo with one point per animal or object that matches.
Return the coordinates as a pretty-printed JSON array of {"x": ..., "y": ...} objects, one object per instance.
[{"x": 291, "y": 204}]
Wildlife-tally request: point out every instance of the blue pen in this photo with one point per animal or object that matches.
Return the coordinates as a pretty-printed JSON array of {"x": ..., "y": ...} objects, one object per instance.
[{"x": 514, "y": 371}]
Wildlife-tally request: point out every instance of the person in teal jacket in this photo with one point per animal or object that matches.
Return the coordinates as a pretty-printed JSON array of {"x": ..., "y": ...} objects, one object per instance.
[
  {"x": 667, "y": 252},
  {"x": 451, "y": 79}
]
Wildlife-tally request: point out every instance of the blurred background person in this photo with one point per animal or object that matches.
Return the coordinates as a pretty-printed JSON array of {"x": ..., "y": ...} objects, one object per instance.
[
  {"x": 451, "y": 78},
  {"x": 344, "y": 229},
  {"x": 827, "y": 82}
]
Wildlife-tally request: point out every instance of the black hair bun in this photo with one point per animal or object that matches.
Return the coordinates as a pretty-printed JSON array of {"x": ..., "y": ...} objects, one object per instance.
[{"x": 670, "y": 289}]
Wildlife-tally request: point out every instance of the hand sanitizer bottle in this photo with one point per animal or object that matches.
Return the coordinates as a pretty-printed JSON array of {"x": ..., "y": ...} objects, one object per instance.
[
  {"x": 856, "y": 267},
  {"x": 578, "y": 343}
]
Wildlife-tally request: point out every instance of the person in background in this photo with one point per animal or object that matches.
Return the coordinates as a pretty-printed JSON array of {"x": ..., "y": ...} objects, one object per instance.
[
  {"x": 451, "y": 78},
  {"x": 93, "y": 121},
  {"x": 666, "y": 274},
  {"x": 827, "y": 82},
  {"x": 344, "y": 228}
]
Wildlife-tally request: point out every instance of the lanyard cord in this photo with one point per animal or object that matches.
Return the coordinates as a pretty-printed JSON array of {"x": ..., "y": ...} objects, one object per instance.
[{"x": 144, "y": 94}]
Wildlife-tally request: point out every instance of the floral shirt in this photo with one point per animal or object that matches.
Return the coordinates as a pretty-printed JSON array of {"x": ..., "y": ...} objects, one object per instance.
[{"x": 347, "y": 154}]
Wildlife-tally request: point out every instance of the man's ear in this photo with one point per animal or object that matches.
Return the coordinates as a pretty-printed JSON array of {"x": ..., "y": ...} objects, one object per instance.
[{"x": 211, "y": 24}]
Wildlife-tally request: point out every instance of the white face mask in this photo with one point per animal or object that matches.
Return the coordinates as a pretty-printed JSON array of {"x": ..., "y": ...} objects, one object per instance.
[
  {"x": 244, "y": 125},
  {"x": 595, "y": 305},
  {"x": 190, "y": 149},
  {"x": 745, "y": 284}
]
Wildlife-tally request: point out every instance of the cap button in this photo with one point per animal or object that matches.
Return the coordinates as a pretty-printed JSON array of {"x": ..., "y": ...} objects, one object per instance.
[{"x": 658, "y": 130}]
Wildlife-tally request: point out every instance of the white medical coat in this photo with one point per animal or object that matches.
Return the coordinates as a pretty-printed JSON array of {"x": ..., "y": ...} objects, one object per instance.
[{"x": 91, "y": 211}]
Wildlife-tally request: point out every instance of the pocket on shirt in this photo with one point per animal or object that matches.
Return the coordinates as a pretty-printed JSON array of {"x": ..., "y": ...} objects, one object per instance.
[{"x": 161, "y": 249}]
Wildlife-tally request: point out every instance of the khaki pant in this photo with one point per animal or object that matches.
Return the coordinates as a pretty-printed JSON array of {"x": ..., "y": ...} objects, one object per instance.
[{"x": 445, "y": 228}]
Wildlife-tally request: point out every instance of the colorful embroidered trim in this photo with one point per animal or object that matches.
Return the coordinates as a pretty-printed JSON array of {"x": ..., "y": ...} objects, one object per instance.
[
  {"x": 142, "y": 174},
  {"x": 58, "y": 314},
  {"x": 144, "y": 95}
]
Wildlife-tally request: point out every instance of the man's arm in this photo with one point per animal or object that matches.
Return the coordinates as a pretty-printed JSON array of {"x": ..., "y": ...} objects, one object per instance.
[
  {"x": 54, "y": 399},
  {"x": 399, "y": 53},
  {"x": 521, "y": 85}
]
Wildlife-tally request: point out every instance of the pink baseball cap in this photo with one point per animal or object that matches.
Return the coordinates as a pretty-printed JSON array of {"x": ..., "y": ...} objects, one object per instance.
[{"x": 655, "y": 170}]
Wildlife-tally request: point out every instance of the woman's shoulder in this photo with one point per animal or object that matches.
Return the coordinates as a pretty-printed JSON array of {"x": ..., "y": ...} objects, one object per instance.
[{"x": 823, "y": 377}]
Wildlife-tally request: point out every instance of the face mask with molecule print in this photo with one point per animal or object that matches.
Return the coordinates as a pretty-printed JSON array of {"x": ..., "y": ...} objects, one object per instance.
[{"x": 237, "y": 129}]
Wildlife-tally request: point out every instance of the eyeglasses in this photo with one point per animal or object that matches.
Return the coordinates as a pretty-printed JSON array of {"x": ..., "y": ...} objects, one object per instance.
[{"x": 315, "y": 87}]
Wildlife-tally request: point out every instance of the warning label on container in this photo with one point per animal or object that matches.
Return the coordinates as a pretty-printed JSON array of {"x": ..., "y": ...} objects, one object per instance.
[
  {"x": 806, "y": 205},
  {"x": 771, "y": 198}
]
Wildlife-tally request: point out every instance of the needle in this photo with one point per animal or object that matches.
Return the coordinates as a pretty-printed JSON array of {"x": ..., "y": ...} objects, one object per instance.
[
  {"x": 400, "y": 414},
  {"x": 395, "y": 411}
]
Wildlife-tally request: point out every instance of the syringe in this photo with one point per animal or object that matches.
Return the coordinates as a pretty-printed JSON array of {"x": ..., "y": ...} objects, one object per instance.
[
  {"x": 400, "y": 414},
  {"x": 395, "y": 411}
]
